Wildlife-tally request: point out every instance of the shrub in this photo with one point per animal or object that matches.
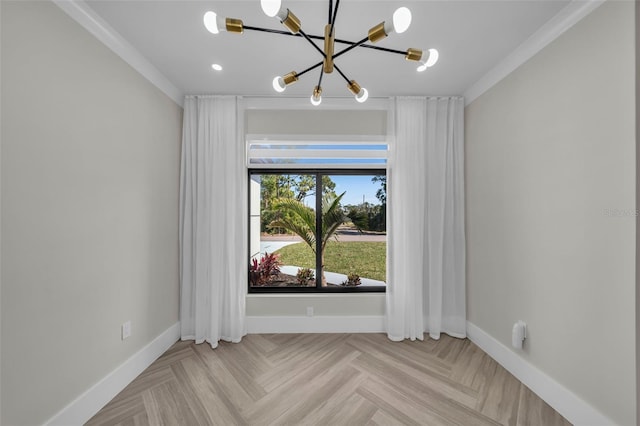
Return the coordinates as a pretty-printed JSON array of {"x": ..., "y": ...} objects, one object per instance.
[
  {"x": 305, "y": 275},
  {"x": 353, "y": 280},
  {"x": 261, "y": 273}
]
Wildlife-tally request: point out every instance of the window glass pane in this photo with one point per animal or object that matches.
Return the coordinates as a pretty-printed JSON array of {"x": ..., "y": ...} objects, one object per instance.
[
  {"x": 282, "y": 230},
  {"x": 354, "y": 228},
  {"x": 298, "y": 162},
  {"x": 324, "y": 147}
]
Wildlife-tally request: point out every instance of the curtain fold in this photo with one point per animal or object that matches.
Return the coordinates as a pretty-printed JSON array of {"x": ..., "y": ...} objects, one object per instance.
[
  {"x": 426, "y": 242},
  {"x": 213, "y": 235}
]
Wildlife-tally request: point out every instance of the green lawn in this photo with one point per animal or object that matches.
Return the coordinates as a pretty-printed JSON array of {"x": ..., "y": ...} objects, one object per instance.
[{"x": 367, "y": 259}]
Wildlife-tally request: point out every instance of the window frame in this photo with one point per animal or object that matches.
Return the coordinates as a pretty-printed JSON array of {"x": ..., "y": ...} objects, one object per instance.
[{"x": 318, "y": 172}]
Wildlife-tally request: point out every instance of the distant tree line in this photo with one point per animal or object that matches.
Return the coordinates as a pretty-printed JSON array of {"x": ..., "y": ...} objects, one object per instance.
[
  {"x": 277, "y": 187},
  {"x": 371, "y": 217}
]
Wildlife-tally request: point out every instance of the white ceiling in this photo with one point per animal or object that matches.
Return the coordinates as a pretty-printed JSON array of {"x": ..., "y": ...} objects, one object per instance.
[{"x": 471, "y": 35}]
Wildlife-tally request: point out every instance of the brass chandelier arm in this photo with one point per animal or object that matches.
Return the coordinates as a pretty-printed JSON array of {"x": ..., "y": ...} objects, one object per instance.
[
  {"x": 274, "y": 9},
  {"x": 371, "y": 46},
  {"x": 320, "y": 79},
  {"x": 312, "y": 43},
  {"x": 353, "y": 46},
  {"x": 342, "y": 74},
  {"x": 312, "y": 67},
  {"x": 332, "y": 20},
  {"x": 317, "y": 37},
  {"x": 329, "y": 39},
  {"x": 282, "y": 32}
]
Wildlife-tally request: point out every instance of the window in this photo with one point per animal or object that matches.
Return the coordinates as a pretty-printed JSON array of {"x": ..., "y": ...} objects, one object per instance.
[{"x": 294, "y": 249}]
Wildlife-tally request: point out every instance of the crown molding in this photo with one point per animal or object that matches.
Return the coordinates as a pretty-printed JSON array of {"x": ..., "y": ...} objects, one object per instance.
[
  {"x": 79, "y": 11},
  {"x": 554, "y": 28}
]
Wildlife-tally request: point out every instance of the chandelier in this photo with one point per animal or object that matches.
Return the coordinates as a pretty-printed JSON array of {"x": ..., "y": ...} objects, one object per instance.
[{"x": 273, "y": 8}]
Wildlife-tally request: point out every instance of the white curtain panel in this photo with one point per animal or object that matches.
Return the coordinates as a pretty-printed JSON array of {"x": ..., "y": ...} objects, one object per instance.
[
  {"x": 213, "y": 221},
  {"x": 426, "y": 252}
]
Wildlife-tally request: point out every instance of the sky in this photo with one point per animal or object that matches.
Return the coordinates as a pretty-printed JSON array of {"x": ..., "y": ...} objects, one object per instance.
[{"x": 356, "y": 187}]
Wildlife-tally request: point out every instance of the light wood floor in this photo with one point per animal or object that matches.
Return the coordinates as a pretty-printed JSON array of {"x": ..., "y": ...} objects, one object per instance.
[{"x": 327, "y": 379}]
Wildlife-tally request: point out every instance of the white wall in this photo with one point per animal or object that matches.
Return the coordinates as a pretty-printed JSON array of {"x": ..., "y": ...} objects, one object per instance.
[
  {"x": 90, "y": 162},
  {"x": 637, "y": 209},
  {"x": 550, "y": 157},
  {"x": 1, "y": 399},
  {"x": 316, "y": 122},
  {"x": 334, "y": 304}
]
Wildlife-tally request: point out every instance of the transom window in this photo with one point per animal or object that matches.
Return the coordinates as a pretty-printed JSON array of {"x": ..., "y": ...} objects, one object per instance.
[{"x": 286, "y": 152}]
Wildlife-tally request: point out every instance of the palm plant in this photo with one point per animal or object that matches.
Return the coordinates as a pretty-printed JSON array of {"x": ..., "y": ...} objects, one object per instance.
[{"x": 301, "y": 220}]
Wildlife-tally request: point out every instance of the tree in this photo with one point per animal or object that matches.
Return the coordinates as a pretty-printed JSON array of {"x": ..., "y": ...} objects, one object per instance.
[
  {"x": 273, "y": 187},
  {"x": 305, "y": 186},
  {"x": 328, "y": 186},
  {"x": 358, "y": 217},
  {"x": 381, "y": 193},
  {"x": 301, "y": 220},
  {"x": 367, "y": 217}
]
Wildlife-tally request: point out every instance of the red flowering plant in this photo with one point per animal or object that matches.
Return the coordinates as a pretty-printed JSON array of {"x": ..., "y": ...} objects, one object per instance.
[{"x": 261, "y": 273}]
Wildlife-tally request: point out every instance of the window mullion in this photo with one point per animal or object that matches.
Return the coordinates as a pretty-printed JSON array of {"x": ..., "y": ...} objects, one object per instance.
[{"x": 319, "y": 266}]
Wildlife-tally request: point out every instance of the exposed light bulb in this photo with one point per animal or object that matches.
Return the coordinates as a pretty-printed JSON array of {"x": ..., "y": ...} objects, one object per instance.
[
  {"x": 362, "y": 95},
  {"x": 316, "y": 96},
  {"x": 431, "y": 60},
  {"x": 433, "y": 57},
  {"x": 214, "y": 23},
  {"x": 270, "y": 7},
  {"x": 216, "y": 67},
  {"x": 278, "y": 84},
  {"x": 211, "y": 22},
  {"x": 401, "y": 19}
]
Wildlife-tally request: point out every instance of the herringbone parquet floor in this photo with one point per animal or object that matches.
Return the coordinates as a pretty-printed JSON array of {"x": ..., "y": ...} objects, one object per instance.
[{"x": 327, "y": 379}]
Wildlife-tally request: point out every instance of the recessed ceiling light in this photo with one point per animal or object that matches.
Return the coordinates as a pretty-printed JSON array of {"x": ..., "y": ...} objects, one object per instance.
[{"x": 216, "y": 67}]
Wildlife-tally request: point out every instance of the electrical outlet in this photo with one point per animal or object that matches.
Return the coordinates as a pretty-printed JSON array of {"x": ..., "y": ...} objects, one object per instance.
[
  {"x": 126, "y": 330},
  {"x": 309, "y": 311}
]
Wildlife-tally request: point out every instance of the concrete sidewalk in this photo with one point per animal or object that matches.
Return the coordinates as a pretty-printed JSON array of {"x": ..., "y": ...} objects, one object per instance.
[
  {"x": 346, "y": 235},
  {"x": 272, "y": 243}
]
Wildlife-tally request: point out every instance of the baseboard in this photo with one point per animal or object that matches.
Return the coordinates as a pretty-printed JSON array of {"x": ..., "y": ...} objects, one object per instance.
[
  {"x": 316, "y": 324},
  {"x": 574, "y": 409},
  {"x": 89, "y": 403}
]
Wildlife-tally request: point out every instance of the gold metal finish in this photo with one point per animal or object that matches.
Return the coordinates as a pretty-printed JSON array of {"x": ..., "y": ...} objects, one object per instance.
[
  {"x": 290, "y": 78},
  {"x": 317, "y": 91},
  {"x": 292, "y": 22},
  {"x": 234, "y": 25},
  {"x": 328, "y": 49},
  {"x": 377, "y": 33},
  {"x": 413, "y": 54},
  {"x": 354, "y": 87}
]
